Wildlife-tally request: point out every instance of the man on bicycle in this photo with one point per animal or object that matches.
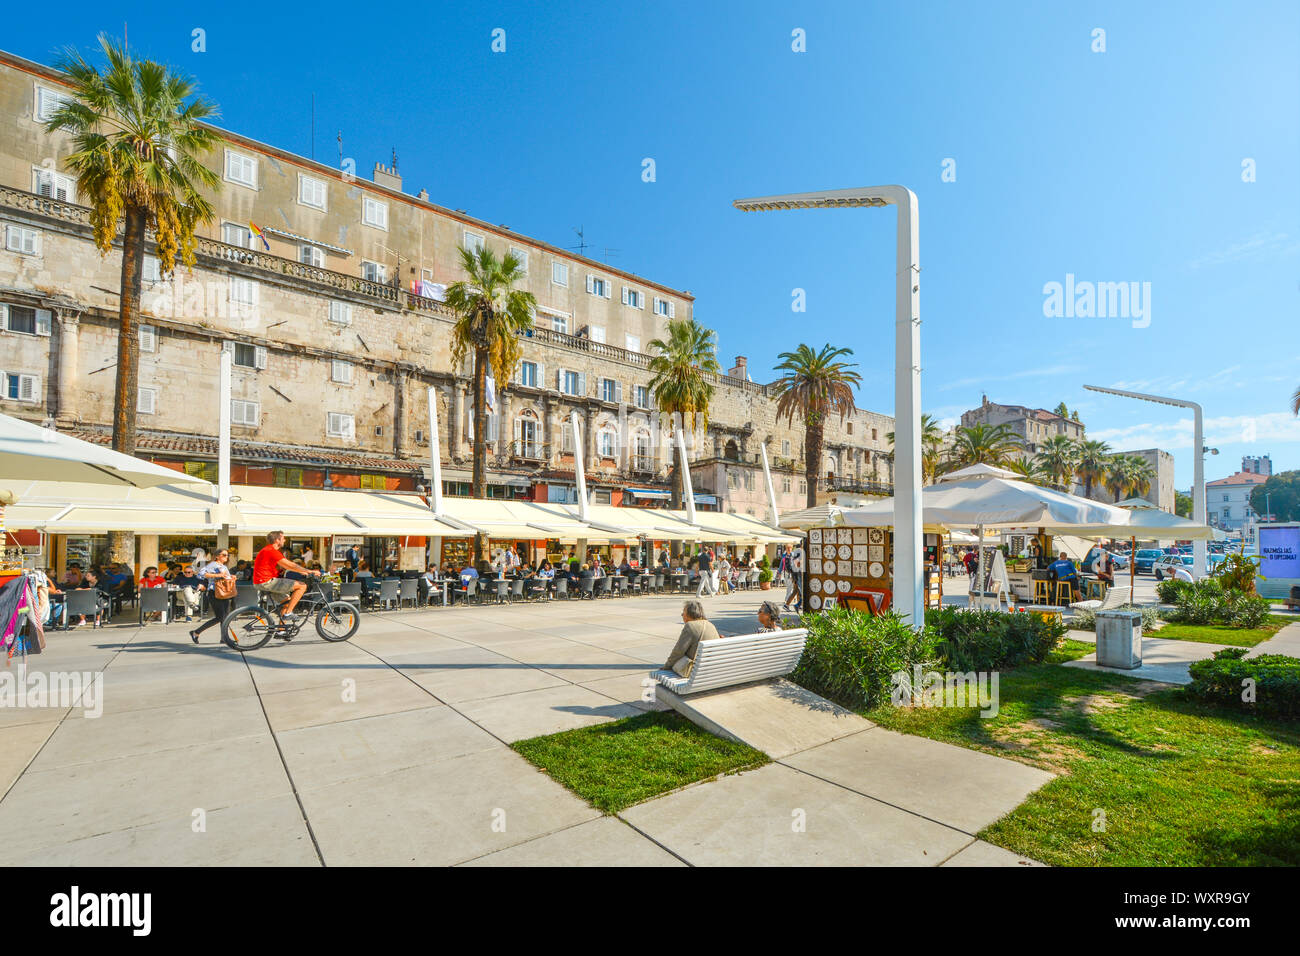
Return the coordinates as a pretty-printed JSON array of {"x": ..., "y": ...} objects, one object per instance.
[{"x": 268, "y": 564}]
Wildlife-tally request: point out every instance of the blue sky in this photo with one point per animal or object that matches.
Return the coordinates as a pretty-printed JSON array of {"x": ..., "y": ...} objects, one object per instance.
[{"x": 1117, "y": 166}]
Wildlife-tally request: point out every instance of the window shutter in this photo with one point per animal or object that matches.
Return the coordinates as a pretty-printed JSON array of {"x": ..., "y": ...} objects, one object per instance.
[
  {"x": 259, "y": 356},
  {"x": 228, "y": 347},
  {"x": 4, "y": 317},
  {"x": 147, "y": 401},
  {"x": 591, "y": 283},
  {"x": 582, "y": 384},
  {"x": 148, "y": 338},
  {"x": 28, "y": 387},
  {"x": 43, "y": 321},
  {"x": 541, "y": 375},
  {"x": 618, "y": 391},
  {"x": 559, "y": 379},
  {"x": 672, "y": 309}
]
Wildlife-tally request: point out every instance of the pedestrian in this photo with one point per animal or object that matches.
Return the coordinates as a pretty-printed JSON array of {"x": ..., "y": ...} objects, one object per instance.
[
  {"x": 221, "y": 590},
  {"x": 793, "y": 588},
  {"x": 706, "y": 575}
]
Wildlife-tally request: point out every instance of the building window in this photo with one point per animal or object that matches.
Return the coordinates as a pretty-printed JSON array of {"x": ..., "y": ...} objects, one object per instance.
[
  {"x": 374, "y": 213},
  {"x": 522, "y": 256},
  {"x": 643, "y": 396},
  {"x": 598, "y": 286},
  {"x": 22, "y": 388},
  {"x": 873, "y": 434},
  {"x": 785, "y": 448},
  {"x": 785, "y": 485},
  {"x": 233, "y": 234},
  {"x": 243, "y": 291},
  {"x": 560, "y": 273},
  {"x": 287, "y": 477},
  {"x": 152, "y": 269},
  {"x": 47, "y": 102},
  {"x": 664, "y": 307},
  {"x": 605, "y": 443},
  {"x": 610, "y": 390},
  {"x": 373, "y": 271},
  {"x": 339, "y": 425},
  {"x": 572, "y": 383},
  {"x": 596, "y": 333},
  {"x": 22, "y": 239},
  {"x": 528, "y": 374},
  {"x": 248, "y": 356},
  {"x": 207, "y": 470},
  {"x": 146, "y": 400},
  {"x": 245, "y": 413},
  {"x": 340, "y": 372},
  {"x": 340, "y": 313},
  {"x": 311, "y": 192},
  {"x": 849, "y": 426},
  {"x": 633, "y": 298},
  {"x": 52, "y": 185},
  {"x": 803, "y": 486},
  {"x": 633, "y": 343},
  {"x": 312, "y": 256},
  {"x": 148, "y": 338},
  {"x": 20, "y": 318},
  {"x": 560, "y": 323},
  {"x": 472, "y": 242},
  {"x": 526, "y": 436},
  {"x": 241, "y": 169}
]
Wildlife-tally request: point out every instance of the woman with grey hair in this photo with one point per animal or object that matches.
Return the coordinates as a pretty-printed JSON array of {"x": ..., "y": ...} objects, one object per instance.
[
  {"x": 769, "y": 618},
  {"x": 694, "y": 629}
]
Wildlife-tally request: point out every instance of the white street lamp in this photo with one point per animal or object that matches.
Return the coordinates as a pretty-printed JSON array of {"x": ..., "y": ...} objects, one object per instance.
[
  {"x": 907, "y": 373},
  {"x": 1198, "y": 461}
]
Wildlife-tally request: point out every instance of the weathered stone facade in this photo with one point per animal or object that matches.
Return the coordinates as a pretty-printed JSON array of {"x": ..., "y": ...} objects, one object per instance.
[{"x": 334, "y": 349}]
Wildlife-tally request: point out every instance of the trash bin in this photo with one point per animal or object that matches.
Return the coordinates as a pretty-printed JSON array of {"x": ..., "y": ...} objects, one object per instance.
[{"x": 1119, "y": 639}]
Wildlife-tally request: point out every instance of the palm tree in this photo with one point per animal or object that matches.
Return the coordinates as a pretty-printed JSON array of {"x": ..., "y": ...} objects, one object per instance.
[
  {"x": 490, "y": 315},
  {"x": 138, "y": 136},
  {"x": 1295, "y": 402},
  {"x": 681, "y": 370},
  {"x": 814, "y": 384},
  {"x": 1120, "y": 476},
  {"x": 1141, "y": 475},
  {"x": 931, "y": 446},
  {"x": 1057, "y": 460},
  {"x": 1091, "y": 465},
  {"x": 1026, "y": 471},
  {"x": 985, "y": 445}
]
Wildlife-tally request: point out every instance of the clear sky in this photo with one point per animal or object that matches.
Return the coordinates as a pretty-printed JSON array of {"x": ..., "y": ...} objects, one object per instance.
[{"x": 1127, "y": 165}]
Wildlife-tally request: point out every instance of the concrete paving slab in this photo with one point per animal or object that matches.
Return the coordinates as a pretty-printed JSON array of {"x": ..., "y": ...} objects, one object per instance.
[
  {"x": 376, "y": 694},
  {"x": 962, "y": 788},
  {"x": 1166, "y": 661},
  {"x": 546, "y": 711},
  {"x": 269, "y": 832},
  {"x": 124, "y": 737},
  {"x": 1285, "y": 641},
  {"x": 128, "y": 689},
  {"x": 607, "y": 841},
  {"x": 316, "y": 666},
  {"x": 453, "y": 657},
  {"x": 328, "y": 754},
  {"x": 22, "y": 716},
  {"x": 442, "y": 813},
  {"x": 777, "y": 816},
  {"x": 18, "y": 745},
  {"x": 482, "y": 679},
  {"x": 980, "y": 853},
  {"x": 52, "y": 807},
  {"x": 628, "y": 689},
  {"x": 774, "y": 716}
]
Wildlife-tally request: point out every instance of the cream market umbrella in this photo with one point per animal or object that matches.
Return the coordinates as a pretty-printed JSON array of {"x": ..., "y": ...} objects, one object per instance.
[
  {"x": 816, "y": 517},
  {"x": 34, "y": 453}
]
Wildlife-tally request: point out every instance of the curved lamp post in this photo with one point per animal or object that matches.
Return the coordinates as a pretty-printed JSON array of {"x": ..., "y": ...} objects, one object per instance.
[{"x": 908, "y": 599}]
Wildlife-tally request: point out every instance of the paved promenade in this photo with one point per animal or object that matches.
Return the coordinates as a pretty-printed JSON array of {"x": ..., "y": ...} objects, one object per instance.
[{"x": 392, "y": 749}]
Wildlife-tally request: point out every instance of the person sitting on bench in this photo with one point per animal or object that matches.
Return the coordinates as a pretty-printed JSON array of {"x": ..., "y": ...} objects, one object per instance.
[
  {"x": 695, "y": 628},
  {"x": 1063, "y": 569}
]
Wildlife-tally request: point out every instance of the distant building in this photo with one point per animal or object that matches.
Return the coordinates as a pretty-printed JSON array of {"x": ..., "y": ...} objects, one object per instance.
[
  {"x": 1034, "y": 426},
  {"x": 1256, "y": 465},
  {"x": 1227, "y": 500},
  {"x": 1161, "y": 492}
]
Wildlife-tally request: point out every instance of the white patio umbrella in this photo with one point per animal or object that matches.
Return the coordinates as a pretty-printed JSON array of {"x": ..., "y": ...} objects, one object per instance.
[{"x": 34, "y": 453}]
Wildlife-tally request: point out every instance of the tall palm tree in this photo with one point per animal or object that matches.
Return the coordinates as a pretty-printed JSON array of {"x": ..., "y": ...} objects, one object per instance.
[
  {"x": 931, "y": 446},
  {"x": 815, "y": 384},
  {"x": 1091, "y": 465},
  {"x": 1027, "y": 471},
  {"x": 681, "y": 368},
  {"x": 138, "y": 139},
  {"x": 1120, "y": 477},
  {"x": 490, "y": 316},
  {"x": 985, "y": 445},
  {"x": 1141, "y": 474},
  {"x": 1057, "y": 460}
]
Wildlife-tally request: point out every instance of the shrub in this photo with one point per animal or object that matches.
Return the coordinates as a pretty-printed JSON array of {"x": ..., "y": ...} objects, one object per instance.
[
  {"x": 1169, "y": 589},
  {"x": 1226, "y": 678},
  {"x": 989, "y": 640},
  {"x": 1246, "y": 610},
  {"x": 850, "y": 656},
  {"x": 1237, "y": 571},
  {"x": 1206, "y": 602},
  {"x": 764, "y": 570},
  {"x": 1086, "y": 620}
]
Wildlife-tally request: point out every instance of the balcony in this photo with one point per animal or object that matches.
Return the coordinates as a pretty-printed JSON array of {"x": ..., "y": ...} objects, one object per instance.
[
  {"x": 531, "y": 451},
  {"x": 641, "y": 464},
  {"x": 857, "y": 487}
]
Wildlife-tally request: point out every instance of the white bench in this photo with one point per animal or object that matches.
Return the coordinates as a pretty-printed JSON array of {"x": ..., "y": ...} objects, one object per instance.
[
  {"x": 1115, "y": 597},
  {"x": 724, "y": 661}
]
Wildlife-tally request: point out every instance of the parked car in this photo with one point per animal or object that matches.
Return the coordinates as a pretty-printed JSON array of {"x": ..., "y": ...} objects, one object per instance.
[
  {"x": 1146, "y": 559},
  {"x": 1120, "y": 560},
  {"x": 1165, "y": 564}
]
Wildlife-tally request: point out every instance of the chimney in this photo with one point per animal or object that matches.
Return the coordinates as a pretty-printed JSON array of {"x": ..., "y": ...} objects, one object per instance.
[
  {"x": 741, "y": 369},
  {"x": 423, "y": 195},
  {"x": 387, "y": 176}
]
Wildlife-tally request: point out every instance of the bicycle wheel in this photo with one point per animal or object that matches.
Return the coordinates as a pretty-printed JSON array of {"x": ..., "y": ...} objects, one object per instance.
[
  {"x": 337, "y": 621},
  {"x": 247, "y": 628}
]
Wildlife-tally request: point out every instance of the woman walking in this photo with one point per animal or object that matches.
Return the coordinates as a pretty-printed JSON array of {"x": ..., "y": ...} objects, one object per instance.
[{"x": 219, "y": 581}]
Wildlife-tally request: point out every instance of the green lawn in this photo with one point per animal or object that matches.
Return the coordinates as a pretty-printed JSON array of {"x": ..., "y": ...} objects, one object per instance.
[
  {"x": 1180, "y": 783},
  {"x": 615, "y": 765},
  {"x": 1216, "y": 634}
]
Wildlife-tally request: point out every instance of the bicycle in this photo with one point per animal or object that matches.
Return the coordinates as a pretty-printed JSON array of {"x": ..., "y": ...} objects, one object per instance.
[{"x": 250, "y": 627}]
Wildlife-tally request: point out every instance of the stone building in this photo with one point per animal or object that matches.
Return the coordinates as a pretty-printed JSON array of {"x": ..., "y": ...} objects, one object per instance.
[
  {"x": 1033, "y": 426},
  {"x": 337, "y": 329}
]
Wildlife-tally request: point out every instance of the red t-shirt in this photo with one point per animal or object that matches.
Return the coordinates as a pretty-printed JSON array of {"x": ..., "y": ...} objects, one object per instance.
[
  {"x": 266, "y": 566},
  {"x": 155, "y": 583}
]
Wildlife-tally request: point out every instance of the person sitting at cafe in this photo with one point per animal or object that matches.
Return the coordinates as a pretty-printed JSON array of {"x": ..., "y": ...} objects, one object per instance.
[
  {"x": 695, "y": 628},
  {"x": 90, "y": 582},
  {"x": 152, "y": 579},
  {"x": 1104, "y": 568},
  {"x": 626, "y": 568},
  {"x": 468, "y": 574},
  {"x": 72, "y": 578},
  {"x": 191, "y": 591},
  {"x": 1063, "y": 569}
]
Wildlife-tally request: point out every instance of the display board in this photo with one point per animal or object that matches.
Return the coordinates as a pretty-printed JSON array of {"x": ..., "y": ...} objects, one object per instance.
[
  {"x": 1279, "y": 552},
  {"x": 841, "y": 560}
]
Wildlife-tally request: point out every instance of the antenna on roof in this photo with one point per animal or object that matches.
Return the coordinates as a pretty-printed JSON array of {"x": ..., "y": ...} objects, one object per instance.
[
  {"x": 581, "y": 247},
  {"x": 394, "y": 159},
  {"x": 609, "y": 252},
  {"x": 340, "y": 149}
]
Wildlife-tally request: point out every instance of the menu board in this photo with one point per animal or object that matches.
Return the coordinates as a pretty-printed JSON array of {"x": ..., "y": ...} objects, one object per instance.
[
  {"x": 1279, "y": 552},
  {"x": 841, "y": 560}
]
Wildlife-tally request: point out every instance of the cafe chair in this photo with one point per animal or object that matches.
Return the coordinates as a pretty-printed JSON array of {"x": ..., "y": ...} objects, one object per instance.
[{"x": 155, "y": 600}]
